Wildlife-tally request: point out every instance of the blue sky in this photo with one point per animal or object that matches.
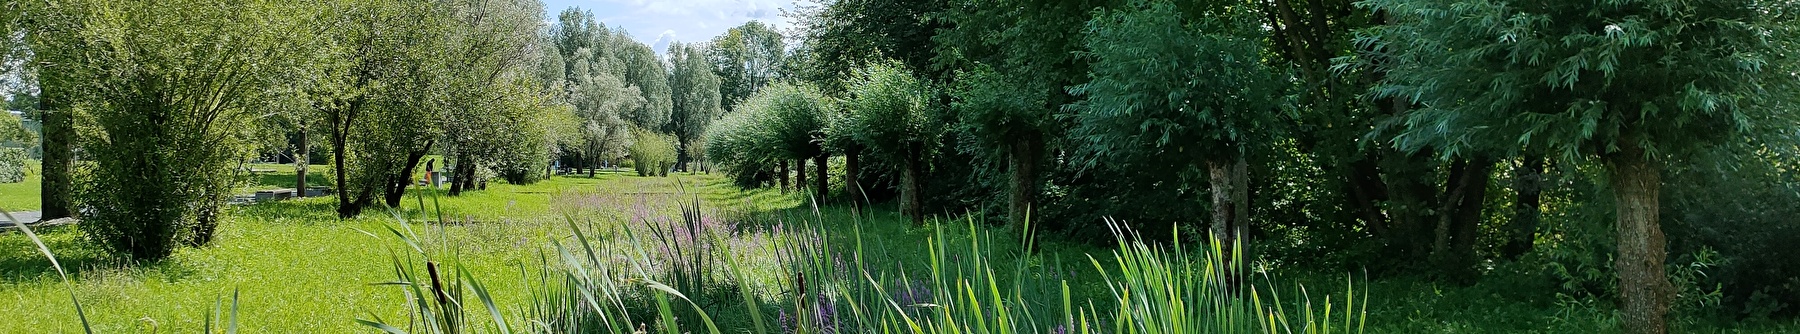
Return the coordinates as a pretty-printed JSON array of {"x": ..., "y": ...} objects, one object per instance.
[{"x": 657, "y": 22}]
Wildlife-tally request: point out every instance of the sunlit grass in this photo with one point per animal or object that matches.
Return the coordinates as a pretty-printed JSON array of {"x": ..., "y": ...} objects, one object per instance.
[
  {"x": 23, "y": 196},
  {"x": 299, "y": 269}
]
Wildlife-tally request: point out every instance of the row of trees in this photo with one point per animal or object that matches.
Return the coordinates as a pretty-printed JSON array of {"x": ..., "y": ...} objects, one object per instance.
[
  {"x": 166, "y": 99},
  {"x": 1379, "y": 126},
  {"x": 162, "y": 112}
]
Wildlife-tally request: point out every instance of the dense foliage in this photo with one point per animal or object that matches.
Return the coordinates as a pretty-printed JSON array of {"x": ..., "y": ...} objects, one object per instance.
[
  {"x": 174, "y": 113},
  {"x": 1464, "y": 142}
]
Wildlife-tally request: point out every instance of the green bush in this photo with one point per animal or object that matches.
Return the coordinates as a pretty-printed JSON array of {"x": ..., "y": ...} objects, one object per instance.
[
  {"x": 652, "y": 153},
  {"x": 172, "y": 117},
  {"x": 12, "y": 165}
]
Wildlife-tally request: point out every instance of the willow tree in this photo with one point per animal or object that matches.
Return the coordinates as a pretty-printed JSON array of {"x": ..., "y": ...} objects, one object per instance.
[
  {"x": 1172, "y": 88},
  {"x": 1635, "y": 85},
  {"x": 745, "y": 58},
  {"x": 172, "y": 113},
  {"x": 796, "y": 116},
  {"x": 889, "y": 116},
  {"x": 695, "y": 96},
  {"x": 488, "y": 123},
  {"x": 1009, "y": 120}
]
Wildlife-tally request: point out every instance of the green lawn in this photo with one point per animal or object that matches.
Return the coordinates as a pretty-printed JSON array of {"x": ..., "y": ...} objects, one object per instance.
[
  {"x": 22, "y": 196},
  {"x": 301, "y": 270}
]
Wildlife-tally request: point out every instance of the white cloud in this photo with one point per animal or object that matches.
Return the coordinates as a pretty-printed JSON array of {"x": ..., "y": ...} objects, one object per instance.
[
  {"x": 662, "y": 41},
  {"x": 658, "y": 22}
]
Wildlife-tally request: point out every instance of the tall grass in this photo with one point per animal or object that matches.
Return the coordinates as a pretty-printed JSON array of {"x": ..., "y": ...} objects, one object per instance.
[
  {"x": 677, "y": 274},
  {"x": 229, "y": 318}
]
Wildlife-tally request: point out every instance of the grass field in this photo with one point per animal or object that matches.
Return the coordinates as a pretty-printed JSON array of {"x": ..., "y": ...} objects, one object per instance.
[
  {"x": 22, "y": 196},
  {"x": 299, "y": 269}
]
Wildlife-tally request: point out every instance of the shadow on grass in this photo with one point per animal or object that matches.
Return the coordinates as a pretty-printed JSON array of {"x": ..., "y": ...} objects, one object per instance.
[{"x": 21, "y": 263}]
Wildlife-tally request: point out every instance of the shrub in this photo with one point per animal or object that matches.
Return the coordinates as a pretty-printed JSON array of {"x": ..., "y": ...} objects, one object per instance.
[
  {"x": 12, "y": 165},
  {"x": 173, "y": 115},
  {"x": 652, "y": 153}
]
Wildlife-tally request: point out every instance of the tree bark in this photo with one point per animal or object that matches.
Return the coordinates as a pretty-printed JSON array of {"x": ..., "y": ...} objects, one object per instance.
[
  {"x": 912, "y": 201},
  {"x": 681, "y": 156},
  {"x": 1644, "y": 289},
  {"x": 301, "y": 153},
  {"x": 1219, "y": 172},
  {"x": 819, "y": 164},
  {"x": 852, "y": 188},
  {"x": 398, "y": 183},
  {"x": 1528, "y": 186},
  {"x": 1368, "y": 192},
  {"x": 1022, "y": 185},
  {"x": 58, "y": 189},
  {"x": 461, "y": 180},
  {"x": 781, "y": 175},
  {"x": 1458, "y": 185},
  {"x": 340, "y": 133},
  {"x": 800, "y": 175},
  {"x": 1457, "y": 260}
]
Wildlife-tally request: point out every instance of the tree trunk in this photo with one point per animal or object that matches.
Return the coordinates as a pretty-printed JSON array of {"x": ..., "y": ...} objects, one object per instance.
[
  {"x": 1458, "y": 184},
  {"x": 911, "y": 200},
  {"x": 1224, "y": 214},
  {"x": 681, "y": 156},
  {"x": 1528, "y": 185},
  {"x": 340, "y": 132},
  {"x": 397, "y": 189},
  {"x": 593, "y": 165},
  {"x": 1644, "y": 290},
  {"x": 459, "y": 180},
  {"x": 1464, "y": 217},
  {"x": 58, "y": 181},
  {"x": 852, "y": 189},
  {"x": 302, "y": 150},
  {"x": 1022, "y": 185},
  {"x": 819, "y": 164},
  {"x": 781, "y": 175},
  {"x": 800, "y": 175}
]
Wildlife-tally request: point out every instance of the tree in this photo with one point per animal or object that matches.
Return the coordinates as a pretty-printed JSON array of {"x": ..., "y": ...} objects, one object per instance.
[
  {"x": 1633, "y": 84},
  {"x": 601, "y": 102},
  {"x": 24, "y": 102},
  {"x": 796, "y": 116},
  {"x": 490, "y": 117},
  {"x": 889, "y": 116},
  {"x": 695, "y": 97},
  {"x": 172, "y": 114},
  {"x": 378, "y": 91},
  {"x": 737, "y": 143},
  {"x": 1169, "y": 89},
  {"x": 52, "y": 38},
  {"x": 1008, "y": 120},
  {"x": 745, "y": 58},
  {"x": 1013, "y": 83},
  {"x": 640, "y": 67}
]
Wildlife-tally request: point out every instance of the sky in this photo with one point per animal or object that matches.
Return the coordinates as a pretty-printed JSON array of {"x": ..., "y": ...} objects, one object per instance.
[{"x": 658, "y": 22}]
